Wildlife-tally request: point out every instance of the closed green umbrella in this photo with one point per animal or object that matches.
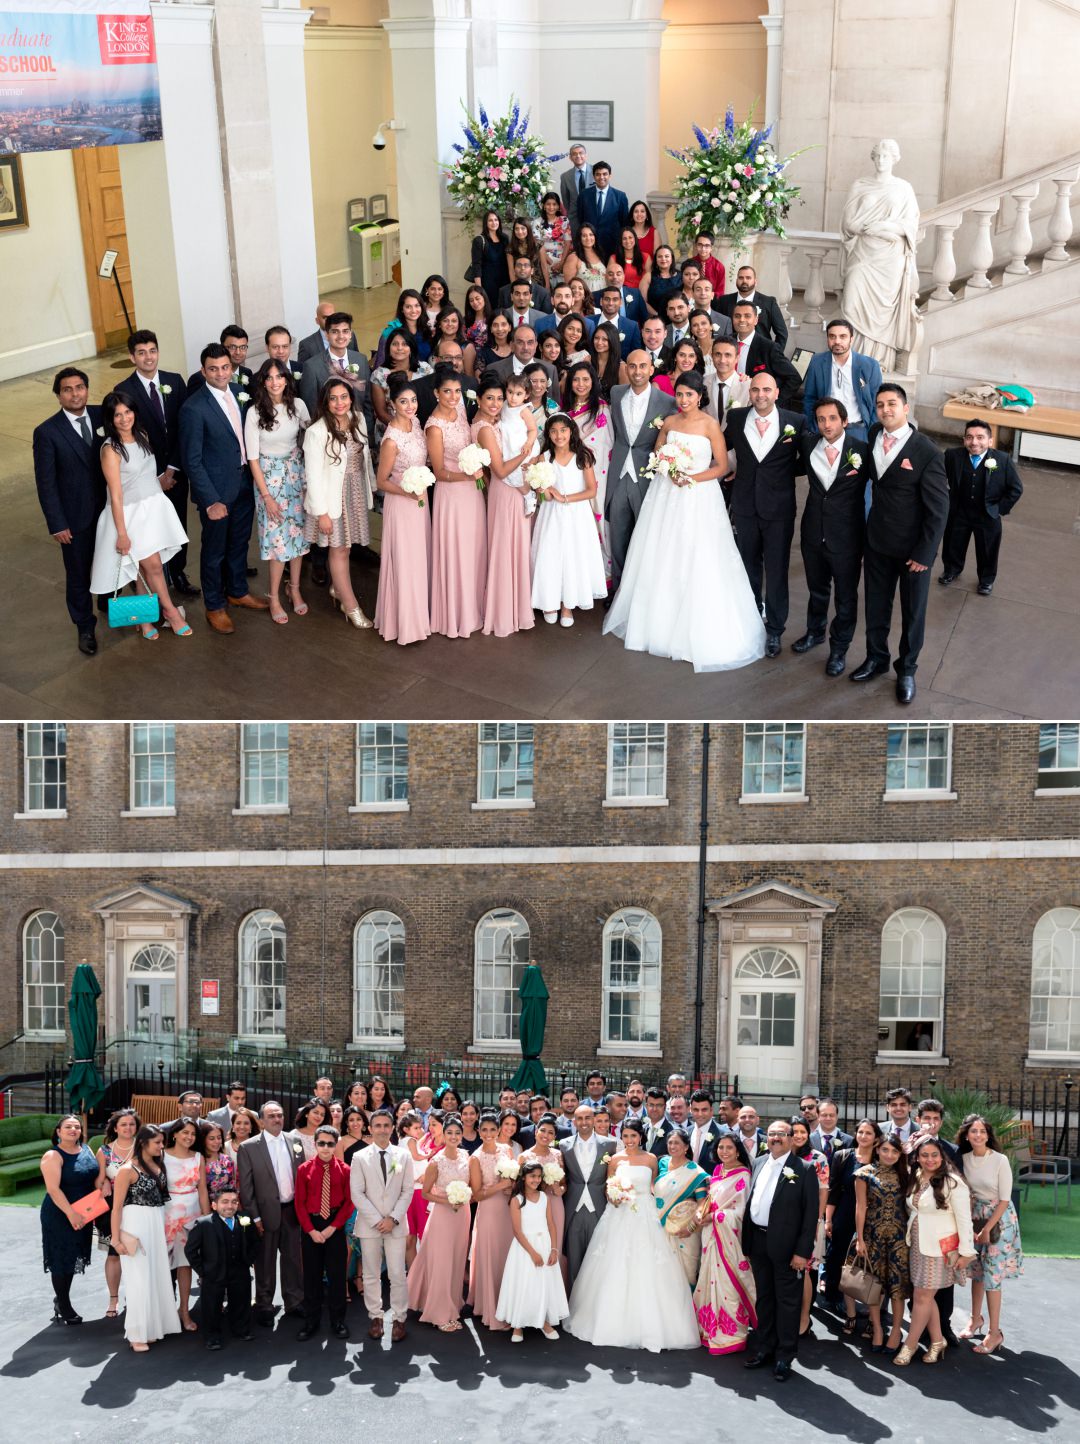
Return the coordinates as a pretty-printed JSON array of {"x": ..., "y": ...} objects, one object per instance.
[
  {"x": 534, "y": 1000},
  {"x": 85, "y": 1085}
]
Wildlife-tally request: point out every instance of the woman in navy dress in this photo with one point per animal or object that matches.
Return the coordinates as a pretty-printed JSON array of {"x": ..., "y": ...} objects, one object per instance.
[{"x": 70, "y": 1172}]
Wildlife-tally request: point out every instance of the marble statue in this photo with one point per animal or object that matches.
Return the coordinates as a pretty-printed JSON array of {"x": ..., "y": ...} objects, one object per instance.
[{"x": 880, "y": 227}]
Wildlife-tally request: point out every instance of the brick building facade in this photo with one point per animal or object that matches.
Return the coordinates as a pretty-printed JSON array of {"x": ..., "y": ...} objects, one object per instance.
[{"x": 878, "y": 900}]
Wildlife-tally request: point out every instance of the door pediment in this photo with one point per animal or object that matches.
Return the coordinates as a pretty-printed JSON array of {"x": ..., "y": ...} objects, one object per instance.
[
  {"x": 772, "y": 898},
  {"x": 144, "y": 899}
]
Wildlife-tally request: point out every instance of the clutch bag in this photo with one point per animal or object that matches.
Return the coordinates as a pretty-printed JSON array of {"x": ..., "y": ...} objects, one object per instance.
[
  {"x": 949, "y": 1245},
  {"x": 682, "y": 1215},
  {"x": 90, "y": 1206}
]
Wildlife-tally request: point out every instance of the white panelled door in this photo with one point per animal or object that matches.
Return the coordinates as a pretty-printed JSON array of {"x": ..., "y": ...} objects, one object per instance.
[{"x": 767, "y": 1003}]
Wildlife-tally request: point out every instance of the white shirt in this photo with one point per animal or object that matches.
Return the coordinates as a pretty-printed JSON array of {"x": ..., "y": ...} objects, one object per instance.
[
  {"x": 585, "y": 1153},
  {"x": 825, "y": 473},
  {"x": 76, "y": 422},
  {"x": 883, "y": 462},
  {"x": 634, "y": 409},
  {"x": 154, "y": 380},
  {"x": 697, "y": 1139},
  {"x": 281, "y": 1158},
  {"x": 740, "y": 360},
  {"x": 231, "y": 407},
  {"x": 843, "y": 387},
  {"x": 762, "y": 445},
  {"x": 601, "y": 199},
  {"x": 337, "y": 363},
  {"x": 768, "y": 1178}
]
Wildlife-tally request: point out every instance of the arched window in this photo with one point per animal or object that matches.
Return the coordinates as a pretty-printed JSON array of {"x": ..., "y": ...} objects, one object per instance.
[
  {"x": 43, "y": 974},
  {"x": 911, "y": 1009},
  {"x": 262, "y": 976},
  {"x": 1055, "y": 983},
  {"x": 632, "y": 949},
  {"x": 501, "y": 953},
  {"x": 379, "y": 978}
]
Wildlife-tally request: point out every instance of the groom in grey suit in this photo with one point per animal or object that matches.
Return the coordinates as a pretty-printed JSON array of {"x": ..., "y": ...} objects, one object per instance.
[
  {"x": 636, "y": 411},
  {"x": 585, "y": 1157}
]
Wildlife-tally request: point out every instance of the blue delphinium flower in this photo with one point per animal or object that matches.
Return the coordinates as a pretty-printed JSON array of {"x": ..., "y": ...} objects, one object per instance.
[
  {"x": 702, "y": 138},
  {"x": 471, "y": 138},
  {"x": 483, "y": 118}
]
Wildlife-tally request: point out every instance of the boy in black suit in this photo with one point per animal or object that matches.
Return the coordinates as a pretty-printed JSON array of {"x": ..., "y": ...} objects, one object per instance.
[
  {"x": 221, "y": 1249},
  {"x": 984, "y": 486}
]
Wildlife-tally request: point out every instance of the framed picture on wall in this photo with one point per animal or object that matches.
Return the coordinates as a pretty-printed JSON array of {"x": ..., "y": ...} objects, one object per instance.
[{"x": 13, "y": 215}]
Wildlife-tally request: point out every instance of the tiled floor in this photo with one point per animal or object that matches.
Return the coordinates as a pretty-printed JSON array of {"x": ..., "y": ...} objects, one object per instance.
[{"x": 1015, "y": 654}]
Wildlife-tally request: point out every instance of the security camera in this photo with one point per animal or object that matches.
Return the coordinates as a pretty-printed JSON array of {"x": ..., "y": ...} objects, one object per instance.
[{"x": 378, "y": 140}]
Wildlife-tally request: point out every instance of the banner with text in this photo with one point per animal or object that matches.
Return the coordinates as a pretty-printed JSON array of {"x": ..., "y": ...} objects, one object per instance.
[{"x": 77, "y": 73}]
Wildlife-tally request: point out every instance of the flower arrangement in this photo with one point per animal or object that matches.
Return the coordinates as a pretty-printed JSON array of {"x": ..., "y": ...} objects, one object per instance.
[
  {"x": 732, "y": 184},
  {"x": 553, "y": 1174},
  {"x": 674, "y": 460},
  {"x": 472, "y": 459},
  {"x": 501, "y": 167},
  {"x": 416, "y": 480},
  {"x": 540, "y": 475},
  {"x": 457, "y": 1193},
  {"x": 620, "y": 1190},
  {"x": 507, "y": 1168}
]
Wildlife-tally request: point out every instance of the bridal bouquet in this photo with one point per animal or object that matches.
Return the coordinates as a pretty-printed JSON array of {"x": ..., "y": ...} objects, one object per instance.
[
  {"x": 553, "y": 1173},
  {"x": 416, "y": 481},
  {"x": 472, "y": 460},
  {"x": 674, "y": 460},
  {"x": 457, "y": 1193},
  {"x": 507, "y": 1168},
  {"x": 621, "y": 1190},
  {"x": 540, "y": 475}
]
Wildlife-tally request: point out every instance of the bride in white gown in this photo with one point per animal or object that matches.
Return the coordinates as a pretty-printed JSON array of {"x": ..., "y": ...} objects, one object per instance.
[
  {"x": 631, "y": 1290},
  {"x": 684, "y": 592}
]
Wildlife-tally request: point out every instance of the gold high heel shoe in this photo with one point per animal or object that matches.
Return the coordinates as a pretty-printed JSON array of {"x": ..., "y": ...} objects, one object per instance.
[
  {"x": 904, "y": 1357},
  {"x": 358, "y": 619},
  {"x": 935, "y": 1352}
]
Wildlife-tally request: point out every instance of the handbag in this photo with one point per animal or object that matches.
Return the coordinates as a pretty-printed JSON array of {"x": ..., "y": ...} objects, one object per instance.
[
  {"x": 857, "y": 1282},
  {"x": 470, "y": 274},
  {"x": 134, "y": 611},
  {"x": 90, "y": 1206}
]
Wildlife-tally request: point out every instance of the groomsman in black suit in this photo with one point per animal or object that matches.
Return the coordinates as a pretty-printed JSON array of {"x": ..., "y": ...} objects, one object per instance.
[
  {"x": 831, "y": 537},
  {"x": 984, "y": 486},
  {"x": 765, "y": 441},
  {"x": 778, "y": 1239},
  {"x": 657, "y": 1124},
  {"x": 156, "y": 397},
  {"x": 758, "y": 353},
  {"x": 316, "y": 342},
  {"x": 71, "y": 490},
  {"x": 278, "y": 342},
  {"x": 908, "y": 511},
  {"x": 705, "y": 1132},
  {"x": 540, "y": 297},
  {"x": 770, "y": 318}
]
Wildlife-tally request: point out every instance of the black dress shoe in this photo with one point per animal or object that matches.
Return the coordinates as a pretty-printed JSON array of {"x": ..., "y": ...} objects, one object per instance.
[
  {"x": 757, "y": 1361},
  {"x": 835, "y": 665},
  {"x": 213, "y": 1345},
  {"x": 985, "y": 588},
  {"x": 808, "y": 640},
  {"x": 296, "y": 1313},
  {"x": 183, "y": 587},
  {"x": 782, "y": 1373},
  {"x": 307, "y": 1332},
  {"x": 340, "y": 1331},
  {"x": 869, "y": 669},
  {"x": 265, "y": 1320},
  {"x": 947, "y": 578},
  {"x": 87, "y": 644},
  {"x": 246, "y": 1337},
  {"x": 905, "y": 689},
  {"x": 318, "y": 573},
  {"x": 772, "y": 645}
]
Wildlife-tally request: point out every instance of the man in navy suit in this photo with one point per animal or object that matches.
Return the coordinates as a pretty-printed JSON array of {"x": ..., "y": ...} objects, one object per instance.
[
  {"x": 156, "y": 397},
  {"x": 629, "y": 332},
  {"x": 316, "y": 343},
  {"x": 279, "y": 347},
  {"x": 846, "y": 374},
  {"x": 908, "y": 511},
  {"x": 630, "y": 304},
  {"x": 71, "y": 490},
  {"x": 214, "y": 456},
  {"x": 562, "y": 305},
  {"x": 831, "y": 537},
  {"x": 605, "y": 209},
  {"x": 984, "y": 486},
  {"x": 765, "y": 443},
  {"x": 235, "y": 340}
]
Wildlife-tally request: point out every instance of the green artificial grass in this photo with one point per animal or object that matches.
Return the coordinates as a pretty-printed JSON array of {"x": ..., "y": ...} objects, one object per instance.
[{"x": 1044, "y": 1233}]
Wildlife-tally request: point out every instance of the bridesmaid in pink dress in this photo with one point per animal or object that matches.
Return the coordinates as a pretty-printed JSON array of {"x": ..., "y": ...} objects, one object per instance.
[
  {"x": 544, "y": 1151},
  {"x": 508, "y": 605},
  {"x": 436, "y": 1280},
  {"x": 401, "y": 611},
  {"x": 493, "y": 1231},
  {"x": 459, "y": 533}
]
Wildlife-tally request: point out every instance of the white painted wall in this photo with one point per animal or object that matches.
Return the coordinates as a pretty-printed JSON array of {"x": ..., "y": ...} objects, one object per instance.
[{"x": 283, "y": 36}]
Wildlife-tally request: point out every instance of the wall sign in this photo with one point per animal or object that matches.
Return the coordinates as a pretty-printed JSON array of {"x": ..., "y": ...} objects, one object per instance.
[
  {"x": 590, "y": 119},
  {"x": 210, "y": 997}
]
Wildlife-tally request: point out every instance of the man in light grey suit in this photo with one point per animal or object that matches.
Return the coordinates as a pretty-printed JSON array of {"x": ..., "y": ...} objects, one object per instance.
[
  {"x": 382, "y": 1188},
  {"x": 267, "y": 1171},
  {"x": 635, "y": 412},
  {"x": 573, "y": 181},
  {"x": 235, "y": 1100},
  {"x": 585, "y": 1157},
  {"x": 340, "y": 358},
  {"x": 523, "y": 343}
]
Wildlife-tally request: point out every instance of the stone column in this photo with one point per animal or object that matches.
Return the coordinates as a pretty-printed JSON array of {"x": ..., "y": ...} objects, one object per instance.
[
  {"x": 774, "y": 40},
  {"x": 283, "y": 37}
]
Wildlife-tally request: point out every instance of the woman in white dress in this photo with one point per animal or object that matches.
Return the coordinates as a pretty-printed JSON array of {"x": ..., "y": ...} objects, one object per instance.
[
  {"x": 684, "y": 592},
  {"x": 185, "y": 1171},
  {"x": 138, "y": 1236},
  {"x": 583, "y": 402},
  {"x": 567, "y": 563},
  {"x": 631, "y": 1290},
  {"x": 139, "y": 530}
]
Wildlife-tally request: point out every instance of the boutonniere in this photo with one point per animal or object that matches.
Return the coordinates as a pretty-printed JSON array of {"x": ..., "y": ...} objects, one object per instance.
[
  {"x": 990, "y": 464},
  {"x": 296, "y": 375},
  {"x": 906, "y": 465},
  {"x": 354, "y": 368},
  {"x": 395, "y": 1165},
  {"x": 622, "y": 335},
  {"x": 790, "y": 1175},
  {"x": 470, "y": 396},
  {"x": 853, "y": 461},
  {"x": 862, "y": 381},
  {"x": 655, "y": 424},
  {"x": 789, "y": 430},
  {"x": 243, "y": 396},
  {"x": 165, "y": 390},
  {"x": 244, "y": 1221},
  {"x": 100, "y": 431},
  {"x": 241, "y": 379}
]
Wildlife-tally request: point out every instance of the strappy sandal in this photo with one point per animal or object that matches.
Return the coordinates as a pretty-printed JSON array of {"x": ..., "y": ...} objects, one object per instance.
[
  {"x": 451, "y": 1328},
  {"x": 110, "y": 1312},
  {"x": 280, "y": 616},
  {"x": 850, "y": 1325},
  {"x": 299, "y": 607},
  {"x": 973, "y": 1330}
]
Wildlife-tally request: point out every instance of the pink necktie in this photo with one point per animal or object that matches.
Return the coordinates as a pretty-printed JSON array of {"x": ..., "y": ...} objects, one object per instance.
[
  {"x": 887, "y": 442},
  {"x": 762, "y": 425},
  {"x": 831, "y": 453},
  {"x": 234, "y": 418}
]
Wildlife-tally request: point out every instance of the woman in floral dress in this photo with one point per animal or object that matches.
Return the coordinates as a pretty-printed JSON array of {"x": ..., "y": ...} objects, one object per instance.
[
  {"x": 220, "y": 1168},
  {"x": 185, "y": 1173},
  {"x": 880, "y": 1227},
  {"x": 725, "y": 1295},
  {"x": 801, "y": 1133},
  {"x": 272, "y": 430}
]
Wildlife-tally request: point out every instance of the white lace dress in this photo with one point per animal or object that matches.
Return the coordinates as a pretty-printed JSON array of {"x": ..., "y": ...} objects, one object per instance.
[{"x": 567, "y": 563}]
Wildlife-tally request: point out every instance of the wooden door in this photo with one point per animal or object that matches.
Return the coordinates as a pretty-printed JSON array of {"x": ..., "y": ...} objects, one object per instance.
[{"x": 101, "y": 217}]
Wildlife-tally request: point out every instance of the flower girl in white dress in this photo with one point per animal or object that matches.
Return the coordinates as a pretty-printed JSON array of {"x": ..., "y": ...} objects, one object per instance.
[
  {"x": 567, "y": 563},
  {"x": 532, "y": 1295}
]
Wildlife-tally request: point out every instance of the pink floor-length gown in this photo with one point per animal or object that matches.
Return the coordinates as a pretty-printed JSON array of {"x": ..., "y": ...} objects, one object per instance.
[
  {"x": 493, "y": 1233},
  {"x": 508, "y": 604},
  {"x": 458, "y": 541},
  {"x": 402, "y": 613},
  {"x": 437, "y": 1277}
]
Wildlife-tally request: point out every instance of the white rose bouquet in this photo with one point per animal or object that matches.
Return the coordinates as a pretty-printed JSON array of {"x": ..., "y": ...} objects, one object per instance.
[
  {"x": 539, "y": 476},
  {"x": 507, "y": 1168},
  {"x": 457, "y": 1193},
  {"x": 673, "y": 460},
  {"x": 472, "y": 460},
  {"x": 620, "y": 1190},
  {"x": 553, "y": 1173},
  {"x": 416, "y": 481}
]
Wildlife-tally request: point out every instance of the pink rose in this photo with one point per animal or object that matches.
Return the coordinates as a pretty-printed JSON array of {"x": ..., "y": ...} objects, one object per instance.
[
  {"x": 720, "y": 1216},
  {"x": 735, "y": 184},
  {"x": 515, "y": 187}
]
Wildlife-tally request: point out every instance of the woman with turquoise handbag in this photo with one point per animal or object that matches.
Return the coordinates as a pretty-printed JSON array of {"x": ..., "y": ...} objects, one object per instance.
[{"x": 138, "y": 531}]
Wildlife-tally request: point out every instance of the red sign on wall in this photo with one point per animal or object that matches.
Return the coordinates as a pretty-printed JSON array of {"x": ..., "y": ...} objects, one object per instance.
[
  {"x": 210, "y": 996},
  {"x": 126, "y": 40}
]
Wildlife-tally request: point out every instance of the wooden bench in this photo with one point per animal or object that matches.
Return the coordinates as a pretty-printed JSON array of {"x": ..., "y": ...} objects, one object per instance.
[
  {"x": 1058, "y": 426},
  {"x": 154, "y": 1108}
]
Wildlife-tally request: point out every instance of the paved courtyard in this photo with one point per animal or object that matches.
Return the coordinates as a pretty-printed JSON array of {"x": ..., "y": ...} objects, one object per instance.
[{"x": 83, "y": 1384}]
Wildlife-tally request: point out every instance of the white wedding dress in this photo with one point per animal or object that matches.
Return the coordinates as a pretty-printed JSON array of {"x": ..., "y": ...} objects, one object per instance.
[
  {"x": 631, "y": 1291},
  {"x": 684, "y": 592}
]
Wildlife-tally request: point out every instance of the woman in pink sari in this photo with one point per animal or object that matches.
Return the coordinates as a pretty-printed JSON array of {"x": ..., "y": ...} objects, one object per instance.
[{"x": 725, "y": 1295}]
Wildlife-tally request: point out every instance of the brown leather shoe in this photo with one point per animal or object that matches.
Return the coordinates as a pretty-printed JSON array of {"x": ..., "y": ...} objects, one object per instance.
[
  {"x": 398, "y": 1332},
  {"x": 253, "y": 604},
  {"x": 376, "y": 1330},
  {"x": 220, "y": 621}
]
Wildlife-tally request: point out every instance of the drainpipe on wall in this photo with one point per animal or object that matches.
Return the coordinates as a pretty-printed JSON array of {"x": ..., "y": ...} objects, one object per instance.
[{"x": 703, "y": 844}]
